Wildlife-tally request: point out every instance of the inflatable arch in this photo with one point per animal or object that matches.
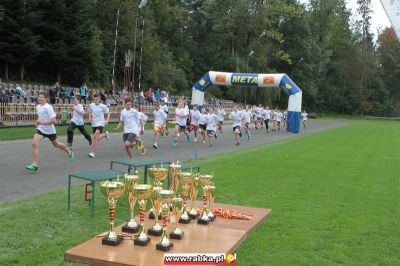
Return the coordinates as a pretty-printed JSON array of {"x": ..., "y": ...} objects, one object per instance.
[{"x": 257, "y": 80}]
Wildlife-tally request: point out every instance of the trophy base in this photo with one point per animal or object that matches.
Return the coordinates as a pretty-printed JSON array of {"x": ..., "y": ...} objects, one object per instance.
[
  {"x": 152, "y": 216},
  {"x": 109, "y": 242},
  {"x": 184, "y": 221},
  {"x": 172, "y": 235},
  {"x": 193, "y": 216},
  {"x": 128, "y": 229},
  {"x": 164, "y": 248},
  {"x": 201, "y": 221},
  {"x": 154, "y": 232},
  {"x": 141, "y": 243}
]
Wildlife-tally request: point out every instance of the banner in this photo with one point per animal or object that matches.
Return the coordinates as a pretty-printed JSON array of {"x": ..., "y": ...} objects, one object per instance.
[{"x": 392, "y": 9}]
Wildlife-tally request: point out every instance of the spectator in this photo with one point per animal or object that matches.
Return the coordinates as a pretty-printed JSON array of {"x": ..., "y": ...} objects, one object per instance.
[
  {"x": 90, "y": 96},
  {"x": 53, "y": 93},
  {"x": 141, "y": 97},
  {"x": 157, "y": 95},
  {"x": 102, "y": 96},
  {"x": 3, "y": 97},
  {"x": 84, "y": 92}
]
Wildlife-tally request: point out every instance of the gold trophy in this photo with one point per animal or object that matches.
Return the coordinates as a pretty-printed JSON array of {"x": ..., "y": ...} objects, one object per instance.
[
  {"x": 194, "y": 189},
  {"x": 176, "y": 170},
  {"x": 187, "y": 180},
  {"x": 157, "y": 177},
  {"x": 206, "y": 181},
  {"x": 142, "y": 192},
  {"x": 177, "y": 208},
  {"x": 156, "y": 229},
  {"x": 211, "y": 200},
  {"x": 112, "y": 190},
  {"x": 130, "y": 182},
  {"x": 167, "y": 197}
]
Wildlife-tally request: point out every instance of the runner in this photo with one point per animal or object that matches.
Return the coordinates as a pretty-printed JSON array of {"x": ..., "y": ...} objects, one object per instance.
[
  {"x": 305, "y": 117},
  {"x": 221, "y": 116},
  {"x": 247, "y": 120},
  {"x": 194, "y": 121},
  {"x": 160, "y": 118},
  {"x": 131, "y": 120},
  {"x": 97, "y": 111},
  {"x": 164, "y": 107},
  {"x": 181, "y": 114},
  {"x": 140, "y": 132},
  {"x": 237, "y": 118},
  {"x": 45, "y": 129},
  {"x": 278, "y": 118},
  {"x": 77, "y": 122},
  {"x": 259, "y": 116},
  {"x": 267, "y": 117},
  {"x": 203, "y": 124},
  {"x": 212, "y": 121}
]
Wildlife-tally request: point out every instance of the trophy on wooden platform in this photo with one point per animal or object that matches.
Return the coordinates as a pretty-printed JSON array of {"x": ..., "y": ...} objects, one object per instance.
[
  {"x": 167, "y": 197},
  {"x": 142, "y": 192},
  {"x": 130, "y": 182}
]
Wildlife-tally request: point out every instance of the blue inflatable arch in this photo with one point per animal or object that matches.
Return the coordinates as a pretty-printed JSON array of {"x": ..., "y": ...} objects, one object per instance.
[{"x": 256, "y": 80}]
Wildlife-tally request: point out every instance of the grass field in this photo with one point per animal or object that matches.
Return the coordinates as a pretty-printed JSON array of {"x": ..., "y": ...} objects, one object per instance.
[
  {"x": 334, "y": 197},
  {"x": 15, "y": 133}
]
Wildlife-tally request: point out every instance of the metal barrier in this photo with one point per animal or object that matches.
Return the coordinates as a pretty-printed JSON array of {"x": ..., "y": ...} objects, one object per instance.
[{"x": 21, "y": 114}]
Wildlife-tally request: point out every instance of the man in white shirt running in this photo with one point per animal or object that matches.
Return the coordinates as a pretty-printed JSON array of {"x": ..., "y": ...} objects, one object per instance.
[
  {"x": 247, "y": 120},
  {"x": 194, "y": 121},
  {"x": 203, "y": 124},
  {"x": 77, "y": 122},
  {"x": 97, "y": 111},
  {"x": 212, "y": 121},
  {"x": 221, "y": 116},
  {"x": 267, "y": 117},
  {"x": 305, "y": 117},
  {"x": 160, "y": 117},
  {"x": 164, "y": 107},
  {"x": 181, "y": 114},
  {"x": 278, "y": 118},
  {"x": 131, "y": 120},
  {"x": 237, "y": 119},
  {"x": 45, "y": 129}
]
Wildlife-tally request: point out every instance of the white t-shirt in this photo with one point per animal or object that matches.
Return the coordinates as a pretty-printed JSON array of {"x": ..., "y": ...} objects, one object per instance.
[
  {"x": 195, "y": 116},
  {"x": 305, "y": 116},
  {"x": 159, "y": 118},
  {"x": 259, "y": 111},
  {"x": 77, "y": 118},
  {"x": 143, "y": 117},
  {"x": 164, "y": 108},
  {"x": 131, "y": 121},
  {"x": 247, "y": 116},
  {"x": 212, "y": 121},
  {"x": 45, "y": 113},
  {"x": 237, "y": 118},
  {"x": 203, "y": 119},
  {"x": 278, "y": 116},
  {"x": 98, "y": 112},
  {"x": 221, "y": 115},
  {"x": 181, "y": 116},
  {"x": 267, "y": 114}
]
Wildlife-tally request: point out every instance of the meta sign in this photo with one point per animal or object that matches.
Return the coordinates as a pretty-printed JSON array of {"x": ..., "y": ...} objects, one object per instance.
[{"x": 244, "y": 79}]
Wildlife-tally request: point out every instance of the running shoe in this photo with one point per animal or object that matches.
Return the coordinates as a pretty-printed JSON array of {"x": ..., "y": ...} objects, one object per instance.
[
  {"x": 174, "y": 143},
  {"x": 195, "y": 140},
  {"x": 204, "y": 142},
  {"x": 155, "y": 146},
  {"x": 188, "y": 138},
  {"x": 71, "y": 157},
  {"x": 91, "y": 154},
  {"x": 31, "y": 167},
  {"x": 238, "y": 143},
  {"x": 107, "y": 136}
]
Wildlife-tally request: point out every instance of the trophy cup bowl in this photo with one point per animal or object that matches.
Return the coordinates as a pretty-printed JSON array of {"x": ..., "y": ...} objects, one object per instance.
[
  {"x": 206, "y": 181},
  {"x": 187, "y": 180},
  {"x": 130, "y": 181},
  {"x": 112, "y": 190},
  {"x": 177, "y": 208},
  {"x": 167, "y": 197},
  {"x": 142, "y": 192},
  {"x": 156, "y": 229},
  {"x": 211, "y": 200},
  {"x": 194, "y": 190},
  {"x": 176, "y": 169},
  {"x": 157, "y": 176}
]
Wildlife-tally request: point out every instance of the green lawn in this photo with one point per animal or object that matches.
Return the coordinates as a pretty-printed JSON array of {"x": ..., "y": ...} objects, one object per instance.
[
  {"x": 15, "y": 133},
  {"x": 334, "y": 197}
]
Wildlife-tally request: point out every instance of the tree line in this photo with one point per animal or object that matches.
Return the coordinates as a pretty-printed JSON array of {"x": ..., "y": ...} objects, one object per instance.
[{"x": 328, "y": 51}]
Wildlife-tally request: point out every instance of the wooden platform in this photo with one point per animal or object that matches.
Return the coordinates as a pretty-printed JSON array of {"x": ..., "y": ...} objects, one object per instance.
[{"x": 222, "y": 236}]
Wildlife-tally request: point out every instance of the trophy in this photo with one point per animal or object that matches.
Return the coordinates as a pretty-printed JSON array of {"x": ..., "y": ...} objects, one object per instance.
[
  {"x": 142, "y": 192},
  {"x": 211, "y": 199},
  {"x": 112, "y": 190},
  {"x": 157, "y": 176},
  {"x": 156, "y": 229},
  {"x": 167, "y": 197},
  {"x": 187, "y": 179},
  {"x": 194, "y": 189},
  {"x": 176, "y": 169},
  {"x": 177, "y": 208},
  {"x": 206, "y": 181},
  {"x": 130, "y": 182}
]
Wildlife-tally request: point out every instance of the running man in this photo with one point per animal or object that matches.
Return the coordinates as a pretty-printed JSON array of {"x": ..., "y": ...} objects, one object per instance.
[
  {"x": 247, "y": 120},
  {"x": 221, "y": 116},
  {"x": 181, "y": 114},
  {"x": 212, "y": 121},
  {"x": 203, "y": 124},
  {"x": 45, "y": 129},
  {"x": 267, "y": 117},
  {"x": 97, "y": 112},
  {"x": 131, "y": 120},
  {"x": 160, "y": 118},
  {"x": 139, "y": 142},
  {"x": 194, "y": 121},
  {"x": 237, "y": 118},
  {"x": 164, "y": 107},
  {"x": 305, "y": 117},
  {"x": 77, "y": 122},
  {"x": 278, "y": 118}
]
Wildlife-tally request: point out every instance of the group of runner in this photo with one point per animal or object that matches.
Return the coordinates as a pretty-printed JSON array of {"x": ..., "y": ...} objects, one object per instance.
[{"x": 206, "y": 124}]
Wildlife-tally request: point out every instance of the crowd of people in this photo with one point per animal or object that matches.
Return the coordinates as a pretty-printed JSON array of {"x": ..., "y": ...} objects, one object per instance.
[{"x": 194, "y": 124}]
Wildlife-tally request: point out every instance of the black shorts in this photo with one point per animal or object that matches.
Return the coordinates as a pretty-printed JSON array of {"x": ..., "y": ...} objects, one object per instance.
[
  {"x": 51, "y": 137},
  {"x": 203, "y": 127},
  {"x": 97, "y": 128},
  {"x": 221, "y": 122},
  {"x": 210, "y": 132},
  {"x": 236, "y": 127},
  {"x": 182, "y": 128},
  {"x": 131, "y": 137}
]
